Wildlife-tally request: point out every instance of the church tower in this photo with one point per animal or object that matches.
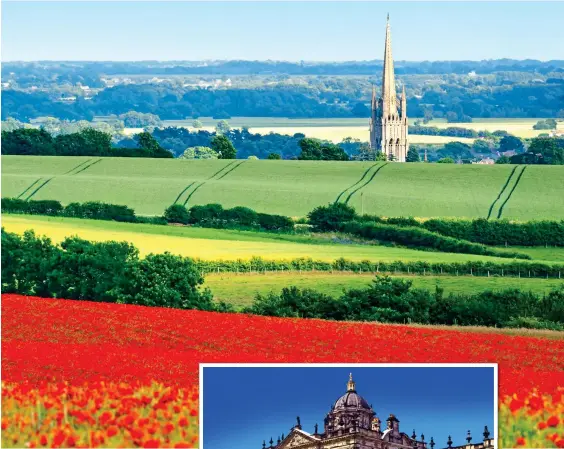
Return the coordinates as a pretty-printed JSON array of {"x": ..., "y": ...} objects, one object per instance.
[{"x": 388, "y": 122}]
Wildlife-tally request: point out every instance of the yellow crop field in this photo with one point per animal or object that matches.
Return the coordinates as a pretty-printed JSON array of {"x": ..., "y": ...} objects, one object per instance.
[{"x": 215, "y": 244}]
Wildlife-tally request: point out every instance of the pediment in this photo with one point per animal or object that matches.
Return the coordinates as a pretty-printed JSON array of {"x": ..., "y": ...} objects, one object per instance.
[{"x": 298, "y": 438}]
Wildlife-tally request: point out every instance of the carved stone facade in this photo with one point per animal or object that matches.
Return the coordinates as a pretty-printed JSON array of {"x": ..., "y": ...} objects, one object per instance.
[
  {"x": 388, "y": 121},
  {"x": 352, "y": 424}
]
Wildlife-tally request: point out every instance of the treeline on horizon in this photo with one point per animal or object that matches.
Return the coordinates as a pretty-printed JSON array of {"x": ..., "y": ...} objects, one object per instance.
[
  {"x": 244, "y": 67},
  {"x": 455, "y": 102},
  {"x": 176, "y": 141}
]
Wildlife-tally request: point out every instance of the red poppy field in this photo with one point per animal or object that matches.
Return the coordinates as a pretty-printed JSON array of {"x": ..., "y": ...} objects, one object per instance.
[{"x": 85, "y": 374}]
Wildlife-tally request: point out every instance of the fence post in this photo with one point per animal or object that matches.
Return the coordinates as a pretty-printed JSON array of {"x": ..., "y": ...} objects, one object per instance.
[
  {"x": 471, "y": 273},
  {"x": 488, "y": 273}
]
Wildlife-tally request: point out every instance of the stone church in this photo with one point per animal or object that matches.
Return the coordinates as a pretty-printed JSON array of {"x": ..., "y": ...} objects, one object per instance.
[
  {"x": 352, "y": 424},
  {"x": 388, "y": 121}
]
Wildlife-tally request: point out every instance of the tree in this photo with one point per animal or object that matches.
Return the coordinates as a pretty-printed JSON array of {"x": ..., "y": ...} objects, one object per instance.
[
  {"x": 134, "y": 119},
  {"x": 311, "y": 150},
  {"x": 511, "y": 143},
  {"x": 199, "y": 153},
  {"x": 482, "y": 146},
  {"x": 274, "y": 156},
  {"x": 197, "y": 124},
  {"x": 547, "y": 151},
  {"x": 223, "y": 147},
  {"x": 315, "y": 150},
  {"x": 381, "y": 156},
  {"x": 412, "y": 155},
  {"x": 27, "y": 141},
  {"x": 177, "y": 213},
  {"x": 222, "y": 127},
  {"x": 330, "y": 218},
  {"x": 456, "y": 150},
  {"x": 549, "y": 123},
  {"x": 147, "y": 143},
  {"x": 164, "y": 280},
  {"x": 503, "y": 160},
  {"x": 446, "y": 160},
  {"x": 252, "y": 158}
]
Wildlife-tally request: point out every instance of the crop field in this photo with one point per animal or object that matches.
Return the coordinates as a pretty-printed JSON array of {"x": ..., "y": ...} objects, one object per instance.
[
  {"x": 87, "y": 374},
  {"x": 240, "y": 289},
  {"x": 338, "y": 128},
  {"x": 293, "y": 188},
  {"x": 215, "y": 244}
]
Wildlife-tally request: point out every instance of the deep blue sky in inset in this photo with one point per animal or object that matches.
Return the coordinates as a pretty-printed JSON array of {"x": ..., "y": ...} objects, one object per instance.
[
  {"x": 244, "y": 406},
  {"x": 316, "y": 31}
]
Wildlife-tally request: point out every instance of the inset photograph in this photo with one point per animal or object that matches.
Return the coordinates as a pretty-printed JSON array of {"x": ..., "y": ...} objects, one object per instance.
[{"x": 353, "y": 406}]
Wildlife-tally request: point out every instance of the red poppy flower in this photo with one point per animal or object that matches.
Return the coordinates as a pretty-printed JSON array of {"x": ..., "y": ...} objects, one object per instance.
[{"x": 553, "y": 421}]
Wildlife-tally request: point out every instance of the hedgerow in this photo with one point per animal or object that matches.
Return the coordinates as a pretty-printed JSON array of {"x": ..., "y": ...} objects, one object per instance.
[
  {"x": 419, "y": 238},
  {"x": 392, "y": 300}
]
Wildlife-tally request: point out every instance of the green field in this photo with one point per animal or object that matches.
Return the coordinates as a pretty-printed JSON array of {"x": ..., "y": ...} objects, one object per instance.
[
  {"x": 214, "y": 244},
  {"x": 291, "y": 188},
  {"x": 240, "y": 290}
]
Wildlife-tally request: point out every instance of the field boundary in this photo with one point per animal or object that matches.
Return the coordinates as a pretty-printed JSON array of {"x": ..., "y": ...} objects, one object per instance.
[
  {"x": 511, "y": 192},
  {"x": 366, "y": 183},
  {"x": 501, "y": 191},
  {"x": 357, "y": 182}
]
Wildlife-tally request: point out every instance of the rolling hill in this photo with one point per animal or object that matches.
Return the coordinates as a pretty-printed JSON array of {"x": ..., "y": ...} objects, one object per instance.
[{"x": 293, "y": 188}]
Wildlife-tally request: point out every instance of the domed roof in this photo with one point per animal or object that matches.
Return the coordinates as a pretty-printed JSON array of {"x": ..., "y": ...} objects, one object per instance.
[{"x": 351, "y": 399}]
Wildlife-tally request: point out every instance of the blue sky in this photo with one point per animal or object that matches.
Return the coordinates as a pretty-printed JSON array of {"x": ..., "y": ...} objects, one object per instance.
[
  {"x": 244, "y": 406},
  {"x": 335, "y": 31}
]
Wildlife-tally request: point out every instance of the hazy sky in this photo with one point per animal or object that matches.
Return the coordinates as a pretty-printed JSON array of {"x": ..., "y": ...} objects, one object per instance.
[
  {"x": 244, "y": 406},
  {"x": 336, "y": 31}
]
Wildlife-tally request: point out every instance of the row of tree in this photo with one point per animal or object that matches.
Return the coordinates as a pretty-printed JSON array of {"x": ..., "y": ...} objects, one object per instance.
[
  {"x": 86, "y": 142},
  {"x": 392, "y": 300}
]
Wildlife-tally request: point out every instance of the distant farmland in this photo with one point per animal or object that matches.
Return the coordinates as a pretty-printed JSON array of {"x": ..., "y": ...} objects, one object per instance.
[
  {"x": 293, "y": 188},
  {"x": 336, "y": 129}
]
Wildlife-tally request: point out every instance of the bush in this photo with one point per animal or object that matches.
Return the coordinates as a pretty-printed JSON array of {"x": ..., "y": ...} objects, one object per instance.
[
  {"x": 422, "y": 238},
  {"x": 395, "y": 301},
  {"x": 177, "y": 213},
  {"x": 100, "y": 271},
  {"x": 293, "y": 302},
  {"x": 42, "y": 207},
  {"x": 241, "y": 215},
  {"x": 206, "y": 213},
  {"x": 275, "y": 222},
  {"x": 331, "y": 217},
  {"x": 100, "y": 211},
  {"x": 164, "y": 280}
]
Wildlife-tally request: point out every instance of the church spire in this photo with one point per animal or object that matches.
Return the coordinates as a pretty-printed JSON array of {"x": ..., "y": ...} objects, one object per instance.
[{"x": 388, "y": 79}]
